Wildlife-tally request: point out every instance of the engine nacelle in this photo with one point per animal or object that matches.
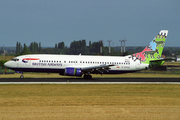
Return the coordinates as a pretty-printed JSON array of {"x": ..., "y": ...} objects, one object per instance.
[{"x": 73, "y": 72}]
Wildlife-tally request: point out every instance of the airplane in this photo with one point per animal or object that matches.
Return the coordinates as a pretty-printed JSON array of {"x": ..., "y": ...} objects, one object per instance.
[{"x": 85, "y": 65}]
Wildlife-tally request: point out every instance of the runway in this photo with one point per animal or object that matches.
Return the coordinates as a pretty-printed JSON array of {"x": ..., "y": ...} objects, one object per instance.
[{"x": 87, "y": 81}]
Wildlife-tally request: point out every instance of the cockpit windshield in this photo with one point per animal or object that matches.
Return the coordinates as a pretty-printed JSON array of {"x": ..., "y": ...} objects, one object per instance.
[{"x": 14, "y": 59}]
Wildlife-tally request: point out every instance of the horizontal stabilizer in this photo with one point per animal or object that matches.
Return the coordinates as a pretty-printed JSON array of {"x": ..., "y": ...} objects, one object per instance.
[{"x": 167, "y": 59}]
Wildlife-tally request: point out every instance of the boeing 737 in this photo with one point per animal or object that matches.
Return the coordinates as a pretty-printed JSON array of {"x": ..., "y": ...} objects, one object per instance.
[{"x": 78, "y": 65}]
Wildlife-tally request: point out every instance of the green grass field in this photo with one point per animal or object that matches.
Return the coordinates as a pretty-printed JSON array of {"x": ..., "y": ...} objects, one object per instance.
[
  {"x": 127, "y": 75},
  {"x": 118, "y": 101},
  {"x": 164, "y": 74}
]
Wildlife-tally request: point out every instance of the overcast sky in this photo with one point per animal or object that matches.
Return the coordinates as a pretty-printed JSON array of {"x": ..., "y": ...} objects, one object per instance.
[{"x": 53, "y": 21}]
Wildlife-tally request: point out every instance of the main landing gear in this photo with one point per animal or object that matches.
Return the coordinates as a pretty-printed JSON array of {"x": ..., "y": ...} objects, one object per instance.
[{"x": 87, "y": 77}]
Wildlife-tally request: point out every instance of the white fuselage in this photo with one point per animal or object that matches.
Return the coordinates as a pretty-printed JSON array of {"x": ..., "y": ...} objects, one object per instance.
[{"x": 58, "y": 63}]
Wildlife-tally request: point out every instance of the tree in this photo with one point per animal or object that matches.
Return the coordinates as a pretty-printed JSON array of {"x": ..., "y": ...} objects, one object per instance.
[
  {"x": 18, "y": 48},
  {"x": 56, "y": 45},
  {"x": 2, "y": 63},
  {"x": 34, "y": 48},
  {"x": 95, "y": 48},
  {"x": 40, "y": 48},
  {"x": 78, "y": 47},
  {"x": 25, "y": 50},
  {"x": 61, "y": 45},
  {"x": 167, "y": 52},
  {"x": 89, "y": 43},
  {"x": 31, "y": 47},
  {"x": 139, "y": 49}
]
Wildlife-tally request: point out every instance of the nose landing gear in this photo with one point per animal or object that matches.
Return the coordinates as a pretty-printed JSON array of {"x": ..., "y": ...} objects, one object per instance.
[{"x": 22, "y": 76}]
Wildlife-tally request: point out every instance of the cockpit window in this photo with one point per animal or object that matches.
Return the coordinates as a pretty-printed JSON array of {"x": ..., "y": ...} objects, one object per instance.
[{"x": 15, "y": 59}]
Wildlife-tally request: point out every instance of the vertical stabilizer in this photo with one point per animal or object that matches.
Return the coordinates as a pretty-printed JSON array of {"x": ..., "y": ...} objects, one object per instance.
[{"x": 154, "y": 50}]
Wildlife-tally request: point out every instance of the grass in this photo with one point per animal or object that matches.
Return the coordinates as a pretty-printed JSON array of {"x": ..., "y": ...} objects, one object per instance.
[
  {"x": 6, "y": 57},
  {"x": 127, "y": 75},
  {"x": 81, "y": 102},
  {"x": 172, "y": 63}
]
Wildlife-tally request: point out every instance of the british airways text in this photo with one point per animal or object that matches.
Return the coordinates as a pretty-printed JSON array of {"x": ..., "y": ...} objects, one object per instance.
[{"x": 46, "y": 64}]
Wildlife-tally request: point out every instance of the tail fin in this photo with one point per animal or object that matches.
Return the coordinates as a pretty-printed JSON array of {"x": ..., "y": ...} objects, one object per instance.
[{"x": 154, "y": 50}]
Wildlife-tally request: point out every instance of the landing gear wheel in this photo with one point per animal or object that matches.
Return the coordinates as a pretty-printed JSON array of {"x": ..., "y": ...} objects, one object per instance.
[
  {"x": 21, "y": 76},
  {"x": 87, "y": 77}
]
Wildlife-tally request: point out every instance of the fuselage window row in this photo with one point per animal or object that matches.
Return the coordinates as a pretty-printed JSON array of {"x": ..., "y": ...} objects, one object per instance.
[
  {"x": 49, "y": 61},
  {"x": 87, "y": 62}
]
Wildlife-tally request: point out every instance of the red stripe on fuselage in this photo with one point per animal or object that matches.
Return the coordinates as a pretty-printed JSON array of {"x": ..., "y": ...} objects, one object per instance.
[{"x": 31, "y": 59}]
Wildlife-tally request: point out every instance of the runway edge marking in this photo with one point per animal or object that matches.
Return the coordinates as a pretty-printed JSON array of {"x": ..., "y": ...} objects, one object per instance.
[{"x": 89, "y": 82}]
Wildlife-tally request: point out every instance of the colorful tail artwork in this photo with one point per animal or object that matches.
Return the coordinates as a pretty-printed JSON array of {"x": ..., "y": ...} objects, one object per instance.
[{"x": 152, "y": 53}]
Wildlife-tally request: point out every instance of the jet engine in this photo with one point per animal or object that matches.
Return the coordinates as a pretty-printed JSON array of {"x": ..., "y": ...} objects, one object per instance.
[{"x": 73, "y": 72}]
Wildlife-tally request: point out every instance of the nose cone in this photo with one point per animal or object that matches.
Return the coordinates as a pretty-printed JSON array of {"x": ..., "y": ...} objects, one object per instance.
[{"x": 8, "y": 64}]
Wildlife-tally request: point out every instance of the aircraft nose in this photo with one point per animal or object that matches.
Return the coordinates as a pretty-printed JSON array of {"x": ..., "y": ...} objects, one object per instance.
[{"x": 7, "y": 64}]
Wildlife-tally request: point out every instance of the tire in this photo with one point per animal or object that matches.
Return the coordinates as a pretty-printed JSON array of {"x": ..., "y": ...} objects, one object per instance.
[
  {"x": 21, "y": 76},
  {"x": 87, "y": 77}
]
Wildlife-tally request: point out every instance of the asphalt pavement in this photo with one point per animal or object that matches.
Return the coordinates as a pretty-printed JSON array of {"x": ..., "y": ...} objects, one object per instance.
[{"x": 78, "y": 80}]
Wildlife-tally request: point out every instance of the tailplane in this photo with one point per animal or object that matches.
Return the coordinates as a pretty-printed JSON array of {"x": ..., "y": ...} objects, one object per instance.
[{"x": 154, "y": 50}]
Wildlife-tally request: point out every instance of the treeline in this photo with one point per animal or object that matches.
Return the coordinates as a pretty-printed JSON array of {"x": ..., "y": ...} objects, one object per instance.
[
  {"x": 76, "y": 47},
  {"x": 32, "y": 48},
  {"x": 81, "y": 47}
]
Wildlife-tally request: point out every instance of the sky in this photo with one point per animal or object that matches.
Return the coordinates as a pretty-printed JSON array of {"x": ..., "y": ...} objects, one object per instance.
[{"x": 54, "y": 21}]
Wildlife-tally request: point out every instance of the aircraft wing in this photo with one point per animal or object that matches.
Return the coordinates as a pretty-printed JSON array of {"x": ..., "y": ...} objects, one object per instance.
[{"x": 99, "y": 68}]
